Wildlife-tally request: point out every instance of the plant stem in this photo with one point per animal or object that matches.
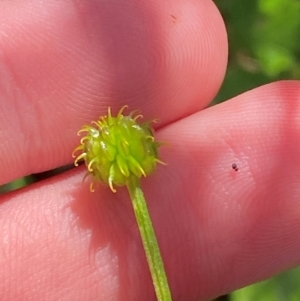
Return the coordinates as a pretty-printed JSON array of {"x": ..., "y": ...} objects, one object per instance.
[{"x": 149, "y": 240}]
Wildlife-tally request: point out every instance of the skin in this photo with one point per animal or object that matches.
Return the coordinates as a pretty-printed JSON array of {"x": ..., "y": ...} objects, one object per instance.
[{"x": 62, "y": 63}]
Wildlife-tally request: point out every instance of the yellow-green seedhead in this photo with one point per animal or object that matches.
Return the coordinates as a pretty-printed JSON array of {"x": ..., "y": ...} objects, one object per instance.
[
  {"x": 118, "y": 151},
  {"x": 116, "y": 148}
]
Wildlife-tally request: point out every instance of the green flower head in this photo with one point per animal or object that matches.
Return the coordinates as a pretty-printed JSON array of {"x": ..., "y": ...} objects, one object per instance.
[{"x": 117, "y": 148}]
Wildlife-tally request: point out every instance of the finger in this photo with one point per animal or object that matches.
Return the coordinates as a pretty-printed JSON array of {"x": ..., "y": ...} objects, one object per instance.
[
  {"x": 64, "y": 66},
  {"x": 227, "y": 229},
  {"x": 218, "y": 229}
]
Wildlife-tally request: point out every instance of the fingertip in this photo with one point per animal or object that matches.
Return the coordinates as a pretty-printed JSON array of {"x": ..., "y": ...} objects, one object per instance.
[
  {"x": 248, "y": 219},
  {"x": 166, "y": 57},
  {"x": 195, "y": 58}
]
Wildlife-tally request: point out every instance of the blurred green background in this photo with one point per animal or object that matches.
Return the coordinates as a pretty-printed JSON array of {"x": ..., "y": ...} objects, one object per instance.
[
  {"x": 264, "y": 46},
  {"x": 264, "y": 43}
]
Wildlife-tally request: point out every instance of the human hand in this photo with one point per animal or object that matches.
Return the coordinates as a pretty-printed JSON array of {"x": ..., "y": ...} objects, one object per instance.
[{"x": 62, "y": 63}]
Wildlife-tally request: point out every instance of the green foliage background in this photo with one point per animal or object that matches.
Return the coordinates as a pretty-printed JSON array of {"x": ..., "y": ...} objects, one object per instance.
[
  {"x": 264, "y": 43},
  {"x": 264, "y": 46}
]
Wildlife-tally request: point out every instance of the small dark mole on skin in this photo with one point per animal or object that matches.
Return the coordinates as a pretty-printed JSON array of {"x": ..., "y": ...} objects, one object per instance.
[
  {"x": 234, "y": 166},
  {"x": 174, "y": 19}
]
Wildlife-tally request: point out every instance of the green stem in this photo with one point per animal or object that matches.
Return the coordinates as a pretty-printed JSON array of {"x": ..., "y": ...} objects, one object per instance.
[{"x": 149, "y": 240}]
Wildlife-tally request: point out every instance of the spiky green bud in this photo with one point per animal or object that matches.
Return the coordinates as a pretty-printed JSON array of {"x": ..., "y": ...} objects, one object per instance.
[{"x": 116, "y": 148}]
